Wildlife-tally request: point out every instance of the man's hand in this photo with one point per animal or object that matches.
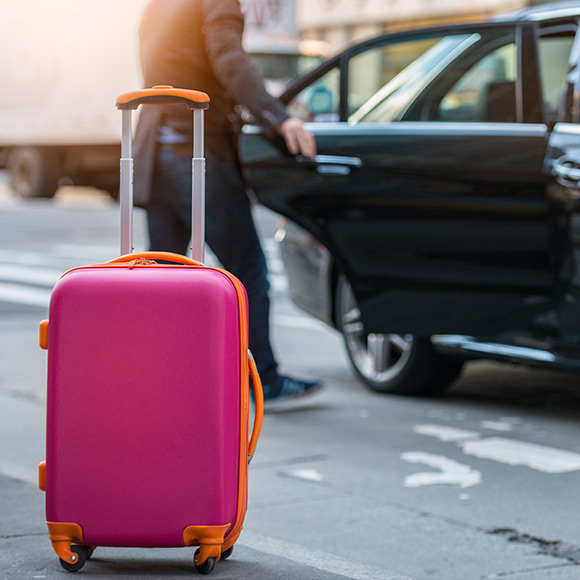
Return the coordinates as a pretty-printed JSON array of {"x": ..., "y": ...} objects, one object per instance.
[{"x": 297, "y": 138}]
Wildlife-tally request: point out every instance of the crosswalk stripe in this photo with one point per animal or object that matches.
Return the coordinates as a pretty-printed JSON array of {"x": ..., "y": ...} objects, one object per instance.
[
  {"x": 299, "y": 322},
  {"x": 33, "y": 276},
  {"x": 24, "y": 295},
  {"x": 27, "y": 278},
  {"x": 341, "y": 567}
]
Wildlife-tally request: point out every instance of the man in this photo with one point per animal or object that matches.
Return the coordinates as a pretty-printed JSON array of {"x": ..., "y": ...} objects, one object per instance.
[{"x": 197, "y": 44}]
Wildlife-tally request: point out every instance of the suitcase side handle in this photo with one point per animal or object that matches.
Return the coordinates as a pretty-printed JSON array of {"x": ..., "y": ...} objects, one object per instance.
[
  {"x": 259, "y": 403},
  {"x": 163, "y": 95}
]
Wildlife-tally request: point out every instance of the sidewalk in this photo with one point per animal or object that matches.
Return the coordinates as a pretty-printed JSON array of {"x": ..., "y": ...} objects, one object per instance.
[{"x": 26, "y": 553}]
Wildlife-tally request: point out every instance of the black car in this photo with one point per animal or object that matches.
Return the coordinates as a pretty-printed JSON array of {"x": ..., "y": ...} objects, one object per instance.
[{"x": 440, "y": 220}]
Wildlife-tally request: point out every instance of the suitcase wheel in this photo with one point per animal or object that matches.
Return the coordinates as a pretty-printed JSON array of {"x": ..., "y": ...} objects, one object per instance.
[
  {"x": 83, "y": 553},
  {"x": 227, "y": 553},
  {"x": 206, "y": 567}
]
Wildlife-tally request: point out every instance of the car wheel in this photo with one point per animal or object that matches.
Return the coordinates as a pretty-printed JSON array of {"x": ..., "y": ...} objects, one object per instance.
[
  {"x": 34, "y": 171},
  {"x": 402, "y": 364}
]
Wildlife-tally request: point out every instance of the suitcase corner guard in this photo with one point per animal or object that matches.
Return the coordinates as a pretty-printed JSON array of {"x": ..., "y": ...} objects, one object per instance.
[
  {"x": 208, "y": 538},
  {"x": 62, "y": 535}
]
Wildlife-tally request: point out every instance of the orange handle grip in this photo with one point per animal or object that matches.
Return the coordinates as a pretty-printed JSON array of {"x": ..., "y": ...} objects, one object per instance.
[
  {"x": 167, "y": 256},
  {"x": 259, "y": 411},
  {"x": 163, "y": 95}
]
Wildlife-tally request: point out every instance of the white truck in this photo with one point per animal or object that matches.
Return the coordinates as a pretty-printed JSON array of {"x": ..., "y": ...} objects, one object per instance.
[{"x": 66, "y": 61}]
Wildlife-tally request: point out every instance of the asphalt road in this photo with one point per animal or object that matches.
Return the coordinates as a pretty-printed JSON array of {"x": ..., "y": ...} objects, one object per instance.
[{"x": 482, "y": 483}]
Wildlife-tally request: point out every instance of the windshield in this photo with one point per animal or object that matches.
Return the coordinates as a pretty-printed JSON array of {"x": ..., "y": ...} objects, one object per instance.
[{"x": 391, "y": 101}]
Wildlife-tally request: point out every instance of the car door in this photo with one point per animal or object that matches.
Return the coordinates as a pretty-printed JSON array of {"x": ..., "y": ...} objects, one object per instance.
[
  {"x": 428, "y": 189},
  {"x": 563, "y": 167}
]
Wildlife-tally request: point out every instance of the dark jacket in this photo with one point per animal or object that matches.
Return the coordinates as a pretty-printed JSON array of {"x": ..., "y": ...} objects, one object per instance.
[{"x": 197, "y": 44}]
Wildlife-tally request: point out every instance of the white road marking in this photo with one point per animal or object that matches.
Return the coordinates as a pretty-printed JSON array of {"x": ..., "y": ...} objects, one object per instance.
[
  {"x": 444, "y": 433},
  {"x": 88, "y": 254},
  {"x": 23, "y": 257},
  {"x": 306, "y": 474},
  {"x": 24, "y": 295},
  {"x": 278, "y": 283},
  {"x": 503, "y": 450},
  {"x": 299, "y": 322},
  {"x": 35, "y": 276},
  {"x": 511, "y": 420},
  {"x": 450, "y": 472},
  {"x": 23, "y": 273},
  {"x": 510, "y": 452},
  {"x": 319, "y": 560},
  {"x": 275, "y": 262},
  {"x": 496, "y": 426}
]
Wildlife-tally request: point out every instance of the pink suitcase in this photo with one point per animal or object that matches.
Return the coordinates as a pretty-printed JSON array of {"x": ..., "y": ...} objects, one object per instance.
[{"x": 148, "y": 399}]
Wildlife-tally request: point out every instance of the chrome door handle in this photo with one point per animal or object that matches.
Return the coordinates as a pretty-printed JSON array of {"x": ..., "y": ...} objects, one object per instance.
[
  {"x": 331, "y": 164},
  {"x": 330, "y": 160},
  {"x": 567, "y": 171},
  {"x": 337, "y": 160}
]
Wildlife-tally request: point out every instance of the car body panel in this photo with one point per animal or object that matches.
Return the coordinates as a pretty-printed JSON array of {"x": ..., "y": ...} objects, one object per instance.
[
  {"x": 563, "y": 161},
  {"x": 425, "y": 228}
]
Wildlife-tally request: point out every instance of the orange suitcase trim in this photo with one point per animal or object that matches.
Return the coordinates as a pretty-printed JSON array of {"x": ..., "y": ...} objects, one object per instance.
[{"x": 62, "y": 535}]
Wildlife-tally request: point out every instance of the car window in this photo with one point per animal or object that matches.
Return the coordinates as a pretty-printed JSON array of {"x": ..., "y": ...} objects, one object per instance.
[
  {"x": 319, "y": 101},
  {"x": 486, "y": 92},
  {"x": 553, "y": 54},
  {"x": 372, "y": 69},
  {"x": 462, "y": 77},
  {"x": 395, "y": 97},
  {"x": 375, "y": 71}
]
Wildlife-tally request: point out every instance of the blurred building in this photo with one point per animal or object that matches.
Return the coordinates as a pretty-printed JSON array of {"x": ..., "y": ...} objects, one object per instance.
[{"x": 339, "y": 22}]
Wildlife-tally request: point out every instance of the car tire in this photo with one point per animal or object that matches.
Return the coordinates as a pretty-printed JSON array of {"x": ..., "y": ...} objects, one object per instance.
[
  {"x": 34, "y": 171},
  {"x": 398, "y": 364}
]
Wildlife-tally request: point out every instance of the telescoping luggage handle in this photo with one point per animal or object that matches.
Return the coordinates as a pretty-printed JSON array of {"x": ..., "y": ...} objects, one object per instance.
[{"x": 163, "y": 95}]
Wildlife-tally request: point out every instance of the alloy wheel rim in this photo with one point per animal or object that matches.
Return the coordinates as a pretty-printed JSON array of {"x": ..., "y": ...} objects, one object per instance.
[{"x": 378, "y": 357}]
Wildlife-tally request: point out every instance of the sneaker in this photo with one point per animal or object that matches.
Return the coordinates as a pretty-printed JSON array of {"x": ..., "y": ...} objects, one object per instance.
[{"x": 286, "y": 391}]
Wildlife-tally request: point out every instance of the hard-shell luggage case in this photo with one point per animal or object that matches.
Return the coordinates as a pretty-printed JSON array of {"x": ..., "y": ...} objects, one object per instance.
[{"x": 148, "y": 402}]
